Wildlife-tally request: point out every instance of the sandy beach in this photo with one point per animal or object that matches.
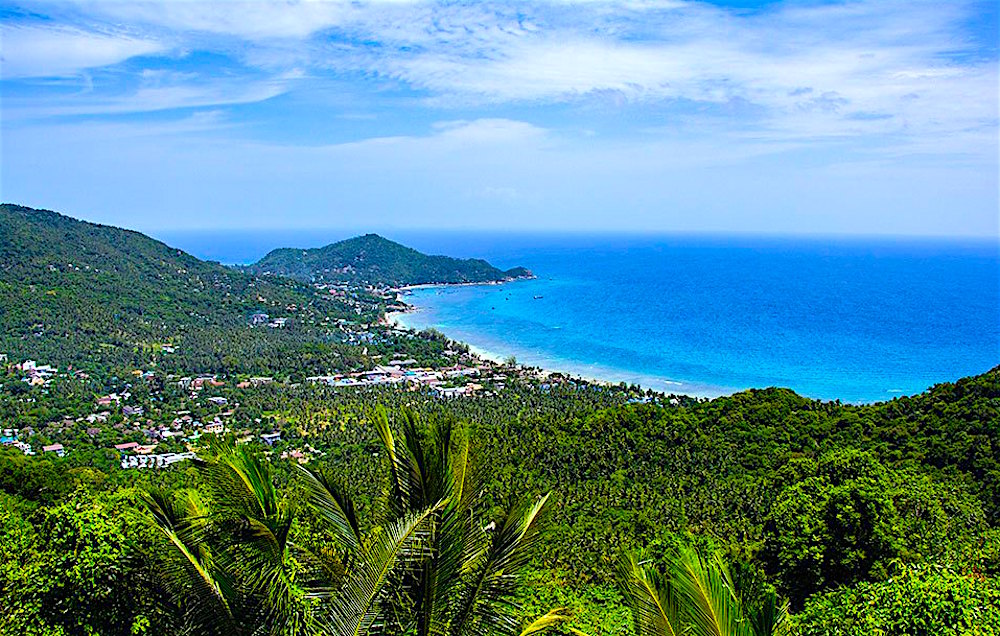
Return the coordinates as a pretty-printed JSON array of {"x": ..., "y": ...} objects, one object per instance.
[{"x": 611, "y": 377}]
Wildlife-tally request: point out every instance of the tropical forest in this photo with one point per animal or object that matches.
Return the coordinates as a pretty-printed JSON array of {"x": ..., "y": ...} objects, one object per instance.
[{"x": 172, "y": 467}]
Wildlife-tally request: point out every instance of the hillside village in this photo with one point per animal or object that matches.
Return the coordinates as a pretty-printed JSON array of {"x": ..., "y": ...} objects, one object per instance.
[
  {"x": 175, "y": 351},
  {"x": 145, "y": 431}
]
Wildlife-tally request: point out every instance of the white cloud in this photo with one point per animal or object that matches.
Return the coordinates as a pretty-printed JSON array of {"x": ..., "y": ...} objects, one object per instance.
[
  {"x": 860, "y": 68},
  {"x": 247, "y": 19},
  {"x": 150, "y": 97},
  {"x": 813, "y": 69},
  {"x": 486, "y": 131},
  {"x": 678, "y": 112},
  {"x": 30, "y": 51}
]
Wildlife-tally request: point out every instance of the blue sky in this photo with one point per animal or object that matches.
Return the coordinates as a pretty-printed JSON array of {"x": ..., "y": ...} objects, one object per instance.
[{"x": 864, "y": 117}]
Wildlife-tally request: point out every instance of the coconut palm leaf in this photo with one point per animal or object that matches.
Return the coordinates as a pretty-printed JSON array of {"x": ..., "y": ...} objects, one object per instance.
[
  {"x": 700, "y": 595},
  {"x": 335, "y": 506},
  {"x": 759, "y": 600},
  {"x": 652, "y": 598},
  {"x": 770, "y": 618},
  {"x": 546, "y": 622},
  {"x": 242, "y": 546},
  {"x": 189, "y": 571},
  {"x": 710, "y": 604},
  {"x": 484, "y": 602},
  {"x": 357, "y": 607},
  {"x": 253, "y": 524},
  {"x": 405, "y": 488}
]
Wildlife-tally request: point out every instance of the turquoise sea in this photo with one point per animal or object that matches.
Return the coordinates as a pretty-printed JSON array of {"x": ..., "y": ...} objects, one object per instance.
[{"x": 854, "y": 319}]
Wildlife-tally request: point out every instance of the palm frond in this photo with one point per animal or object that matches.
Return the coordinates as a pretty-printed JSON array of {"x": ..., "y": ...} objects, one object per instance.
[
  {"x": 770, "y": 618},
  {"x": 188, "y": 569},
  {"x": 651, "y": 597},
  {"x": 335, "y": 506},
  {"x": 546, "y": 622},
  {"x": 414, "y": 466},
  {"x": 484, "y": 604},
  {"x": 759, "y": 601},
  {"x": 356, "y": 607},
  {"x": 711, "y": 607},
  {"x": 400, "y": 492},
  {"x": 463, "y": 471}
]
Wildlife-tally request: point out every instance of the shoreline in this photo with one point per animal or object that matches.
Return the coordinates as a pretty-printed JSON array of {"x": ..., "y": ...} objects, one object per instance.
[
  {"x": 669, "y": 387},
  {"x": 593, "y": 373},
  {"x": 403, "y": 289}
]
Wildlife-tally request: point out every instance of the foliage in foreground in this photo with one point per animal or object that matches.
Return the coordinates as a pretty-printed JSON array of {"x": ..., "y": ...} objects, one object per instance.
[
  {"x": 914, "y": 602},
  {"x": 78, "y": 568},
  {"x": 699, "y": 594},
  {"x": 429, "y": 565},
  {"x": 727, "y": 473}
]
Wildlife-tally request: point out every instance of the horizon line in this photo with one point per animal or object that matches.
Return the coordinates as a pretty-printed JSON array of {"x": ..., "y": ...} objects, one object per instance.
[{"x": 355, "y": 231}]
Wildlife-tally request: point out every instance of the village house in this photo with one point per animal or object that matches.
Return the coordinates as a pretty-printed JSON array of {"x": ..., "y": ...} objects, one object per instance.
[
  {"x": 205, "y": 380},
  {"x": 154, "y": 461},
  {"x": 297, "y": 455},
  {"x": 106, "y": 400},
  {"x": 54, "y": 448}
]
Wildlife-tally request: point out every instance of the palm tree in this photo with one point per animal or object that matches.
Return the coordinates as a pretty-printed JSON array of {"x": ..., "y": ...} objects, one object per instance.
[
  {"x": 234, "y": 569},
  {"x": 199, "y": 587},
  {"x": 428, "y": 567},
  {"x": 232, "y": 566},
  {"x": 700, "y": 595},
  {"x": 459, "y": 578}
]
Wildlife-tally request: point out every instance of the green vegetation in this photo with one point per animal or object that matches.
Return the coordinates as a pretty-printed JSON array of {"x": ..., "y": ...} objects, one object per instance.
[
  {"x": 928, "y": 601},
  {"x": 699, "y": 594},
  {"x": 626, "y": 479},
  {"x": 109, "y": 300},
  {"x": 372, "y": 259},
  {"x": 757, "y": 513},
  {"x": 237, "y": 563}
]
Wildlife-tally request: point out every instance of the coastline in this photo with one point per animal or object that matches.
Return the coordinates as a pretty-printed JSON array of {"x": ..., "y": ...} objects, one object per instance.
[
  {"x": 603, "y": 376},
  {"x": 403, "y": 289},
  {"x": 389, "y": 318}
]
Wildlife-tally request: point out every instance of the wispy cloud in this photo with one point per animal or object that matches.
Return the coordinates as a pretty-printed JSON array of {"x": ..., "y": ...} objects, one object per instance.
[
  {"x": 36, "y": 51},
  {"x": 497, "y": 99},
  {"x": 842, "y": 69}
]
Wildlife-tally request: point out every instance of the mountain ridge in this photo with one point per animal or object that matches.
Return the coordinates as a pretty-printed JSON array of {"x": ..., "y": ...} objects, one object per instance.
[
  {"x": 371, "y": 258},
  {"x": 75, "y": 292}
]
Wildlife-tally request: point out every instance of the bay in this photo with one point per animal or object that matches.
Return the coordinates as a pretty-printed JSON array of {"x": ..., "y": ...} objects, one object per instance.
[{"x": 854, "y": 319}]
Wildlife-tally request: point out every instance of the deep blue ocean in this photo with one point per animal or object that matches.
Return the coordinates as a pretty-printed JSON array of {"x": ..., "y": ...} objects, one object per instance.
[{"x": 854, "y": 319}]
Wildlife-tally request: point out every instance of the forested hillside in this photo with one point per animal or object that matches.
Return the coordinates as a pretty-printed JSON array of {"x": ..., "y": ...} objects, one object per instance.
[
  {"x": 425, "y": 515},
  {"x": 374, "y": 259},
  {"x": 628, "y": 474},
  {"x": 100, "y": 297},
  {"x": 827, "y": 502}
]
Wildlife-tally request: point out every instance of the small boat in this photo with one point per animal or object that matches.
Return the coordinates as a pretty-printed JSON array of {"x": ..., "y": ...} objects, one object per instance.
[{"x": 538, "y": 297}]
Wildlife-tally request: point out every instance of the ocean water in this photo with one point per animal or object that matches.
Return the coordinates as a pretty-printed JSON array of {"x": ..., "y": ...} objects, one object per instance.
[{"x": 854, "y": 319}]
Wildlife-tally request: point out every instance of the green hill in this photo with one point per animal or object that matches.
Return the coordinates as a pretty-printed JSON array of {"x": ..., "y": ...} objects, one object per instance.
[
  {"x": 374, "y": 259},
  {"x": 77, "y": 293}
]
